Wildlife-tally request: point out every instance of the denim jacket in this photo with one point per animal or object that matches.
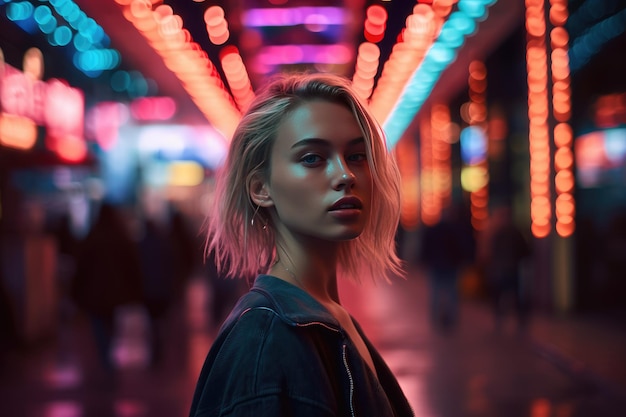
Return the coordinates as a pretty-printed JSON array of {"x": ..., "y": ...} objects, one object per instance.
[{"x": 281, "y": 353}]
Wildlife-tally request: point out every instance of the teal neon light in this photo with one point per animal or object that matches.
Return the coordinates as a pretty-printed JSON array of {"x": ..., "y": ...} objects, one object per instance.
[{"x": 461, "y": 24}]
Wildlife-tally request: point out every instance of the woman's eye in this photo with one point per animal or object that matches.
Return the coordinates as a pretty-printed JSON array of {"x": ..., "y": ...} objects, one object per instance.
[
  {"x": 357, "y": 157},
  {"x": 311, "y": 159}
]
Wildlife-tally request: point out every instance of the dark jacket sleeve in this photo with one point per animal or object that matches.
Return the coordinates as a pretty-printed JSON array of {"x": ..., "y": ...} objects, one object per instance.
[{"x": 262, "y": 366}]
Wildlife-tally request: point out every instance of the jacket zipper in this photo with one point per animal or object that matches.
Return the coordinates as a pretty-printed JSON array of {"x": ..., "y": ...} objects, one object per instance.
[
  {"x": 344, "y": 351},
  {"x": 344, "y": 356},
  {"x": 345, "y": 363}
]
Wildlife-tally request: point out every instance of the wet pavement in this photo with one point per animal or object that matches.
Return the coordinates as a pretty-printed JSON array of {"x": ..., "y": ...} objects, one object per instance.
[{"x": 558, "y": 367}]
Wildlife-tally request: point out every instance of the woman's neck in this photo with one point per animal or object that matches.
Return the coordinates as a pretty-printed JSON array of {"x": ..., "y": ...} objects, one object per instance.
[{"x": 311, "y": 268}]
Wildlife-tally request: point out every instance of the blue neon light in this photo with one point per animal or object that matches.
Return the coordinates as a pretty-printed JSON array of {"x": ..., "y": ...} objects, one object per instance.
[
  {"x": 85, "y": 40},
  {"x": 441, "y": 54}
]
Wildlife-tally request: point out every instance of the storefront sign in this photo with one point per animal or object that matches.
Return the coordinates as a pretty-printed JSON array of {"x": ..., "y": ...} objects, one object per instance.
[{"x": 25, "y": 99}]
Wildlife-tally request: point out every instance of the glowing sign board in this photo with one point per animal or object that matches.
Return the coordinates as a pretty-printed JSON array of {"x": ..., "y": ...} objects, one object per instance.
[{"x": 53, "y": 104}]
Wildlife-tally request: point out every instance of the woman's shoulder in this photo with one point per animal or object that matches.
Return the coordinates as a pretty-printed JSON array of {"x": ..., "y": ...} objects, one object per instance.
[
  {"x": 252, "y": 320},
  {"x": 273, "y": 321},
  {"x": 262, "y": 327},
  {"x": 257, "y": 360}
]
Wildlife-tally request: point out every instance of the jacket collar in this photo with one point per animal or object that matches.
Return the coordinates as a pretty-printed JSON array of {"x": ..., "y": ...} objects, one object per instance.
[{"x": 292, "y": 303}]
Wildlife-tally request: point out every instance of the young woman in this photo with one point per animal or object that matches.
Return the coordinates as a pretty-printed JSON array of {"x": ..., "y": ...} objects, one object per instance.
[{"x": 308, "y": 193}]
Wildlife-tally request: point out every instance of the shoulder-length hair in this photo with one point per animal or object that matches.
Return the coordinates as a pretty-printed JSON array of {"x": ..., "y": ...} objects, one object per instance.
[{"x": 240, "y": 234}]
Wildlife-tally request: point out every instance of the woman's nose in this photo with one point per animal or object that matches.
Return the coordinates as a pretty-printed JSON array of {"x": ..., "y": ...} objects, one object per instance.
[{"x": 344, "y": 177}]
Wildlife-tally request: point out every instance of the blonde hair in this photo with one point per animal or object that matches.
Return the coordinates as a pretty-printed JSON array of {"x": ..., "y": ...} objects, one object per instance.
[{"x": 240, "y": 234}]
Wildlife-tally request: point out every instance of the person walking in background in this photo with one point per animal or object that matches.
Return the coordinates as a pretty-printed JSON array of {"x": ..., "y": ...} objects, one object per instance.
[
  {"x": 186, "y": 250},
  {"x": 506, "y": 249},
  {"x": 614, "y": 260},
  {"x": 107, "y": 276},
  {"x": 224, "y": 292},
  {"x": 308, "y": 193},
  {"x": 157, "y": 260},
  {"x": 447, "y": 247},
  {"x": 8, "y": 330}
]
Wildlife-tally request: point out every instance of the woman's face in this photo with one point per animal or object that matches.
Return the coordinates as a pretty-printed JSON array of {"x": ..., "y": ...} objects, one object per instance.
[{"x": 320, "y": 183}]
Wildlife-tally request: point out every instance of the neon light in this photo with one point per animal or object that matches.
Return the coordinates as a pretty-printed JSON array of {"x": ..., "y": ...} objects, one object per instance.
[
  {"x": 292, "y": 16},
  {"x": 19, "y": 10},
  {"x": 406, "y": 55},
  {"x": 423, "y": 79},
  {"x": 367, "y": 62},
  {"x": 69, "y": 148},
  {"x": 91, "y": 43},
  {"x": 153, "y": 108},
  {"x": 441, "y": 154},
  {"x": 539, "y": 135},
  {"x": 17, "y": 131},
  {"x": 189, "y": 63},
  {"x": 591, "y": 42},
  {"x": 473, "y": 145},
  {"x": 22, "y": 96},
  {"x": 430, "y": 206},
  {"x": 298, "y": 54},
  {"x": 561, "y": 111},
  {"x": 407, "y": 156},
  {"x": 185, "y": 173}
]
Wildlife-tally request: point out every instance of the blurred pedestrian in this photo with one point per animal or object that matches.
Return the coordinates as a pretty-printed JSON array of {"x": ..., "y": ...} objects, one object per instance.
[
  {"x": 66, "y": 243},
  {"x": 8, "y": 328},
  {"x": 157, "y": 260},
  {"x": 447, "y": 247},
  {"x": 224, "y": 291},
  {"x": 507, "y": 248},
  {"x": 614, "y": 259},
  {"x": 186, "y": 250},
  {"x": 107, "y": 276}
]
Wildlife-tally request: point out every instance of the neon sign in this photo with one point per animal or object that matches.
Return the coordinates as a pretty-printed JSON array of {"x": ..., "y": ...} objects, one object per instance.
[{"x": 26, "y": 100}]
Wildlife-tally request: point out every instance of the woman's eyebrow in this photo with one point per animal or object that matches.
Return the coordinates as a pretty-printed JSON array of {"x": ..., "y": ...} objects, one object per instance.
[{"x": 324, "y": 142}]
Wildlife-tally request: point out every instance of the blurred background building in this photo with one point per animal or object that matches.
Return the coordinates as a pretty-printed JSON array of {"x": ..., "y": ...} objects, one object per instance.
[{"x": 487, "y": 105}]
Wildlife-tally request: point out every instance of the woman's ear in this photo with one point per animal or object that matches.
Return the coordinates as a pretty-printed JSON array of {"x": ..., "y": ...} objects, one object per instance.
[{"x": 259, "y": 192}]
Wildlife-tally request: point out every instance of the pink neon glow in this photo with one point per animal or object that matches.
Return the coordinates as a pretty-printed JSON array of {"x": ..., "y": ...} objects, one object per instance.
[
  {"x": 297, "y": 54},
  {"x": 369, "y": 52},
  {"x": 153, "y": 108},
  {"x": 316, "y": 22},
  {"x": 377, "y": 15},
  {"x": 291, "y": 16},
  {"x": 373, "y": 29},
  {"x": 213, "y": 15}
]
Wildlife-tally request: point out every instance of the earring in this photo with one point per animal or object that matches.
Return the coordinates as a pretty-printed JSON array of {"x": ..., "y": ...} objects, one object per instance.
[{"x": 254, "y": 215}]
